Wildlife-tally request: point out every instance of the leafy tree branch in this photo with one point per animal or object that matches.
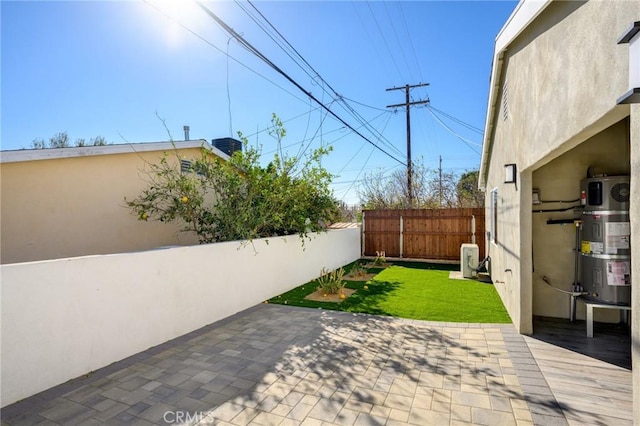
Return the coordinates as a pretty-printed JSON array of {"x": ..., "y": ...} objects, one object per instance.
[{"x": 239, "y": 199}]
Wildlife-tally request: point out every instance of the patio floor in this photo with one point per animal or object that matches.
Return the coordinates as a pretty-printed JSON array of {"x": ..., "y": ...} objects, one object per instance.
[{"x": 280, "y": 365}]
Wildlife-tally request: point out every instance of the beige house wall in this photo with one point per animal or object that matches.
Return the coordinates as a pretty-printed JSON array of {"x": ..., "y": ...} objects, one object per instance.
[
  {"x": 635, "y": 265},
  {"x": 553, "y": 245},
  {"x": 558, "y": 84},
  {"x": 70, "y": 202}
]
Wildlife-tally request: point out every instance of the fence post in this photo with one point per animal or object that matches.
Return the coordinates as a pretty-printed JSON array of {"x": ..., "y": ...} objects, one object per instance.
[
  {"x": 473, "y": 229},
  {"x": 401, "y": 234},
  {"x": 362, "y": 238}
]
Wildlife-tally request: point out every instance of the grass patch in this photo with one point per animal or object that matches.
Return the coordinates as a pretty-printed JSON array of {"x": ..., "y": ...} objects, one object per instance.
[{"x": 412, "y": 290}]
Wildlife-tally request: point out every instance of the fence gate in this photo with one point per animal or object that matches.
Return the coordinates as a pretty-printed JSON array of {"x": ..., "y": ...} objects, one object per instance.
[{"x": 435, "y": 234}]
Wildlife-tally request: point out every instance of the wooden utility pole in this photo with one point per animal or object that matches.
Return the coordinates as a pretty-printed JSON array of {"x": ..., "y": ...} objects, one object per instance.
[
  {"x": 407, "y": 104},
  {"x": 440, "y": 170}
]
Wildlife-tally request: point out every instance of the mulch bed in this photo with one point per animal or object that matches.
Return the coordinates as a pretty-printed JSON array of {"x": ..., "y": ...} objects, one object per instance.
[{"x": 318, "y": 296}]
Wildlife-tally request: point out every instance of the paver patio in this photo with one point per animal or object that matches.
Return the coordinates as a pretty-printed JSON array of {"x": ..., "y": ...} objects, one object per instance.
[{"x": 280, "y": 365}]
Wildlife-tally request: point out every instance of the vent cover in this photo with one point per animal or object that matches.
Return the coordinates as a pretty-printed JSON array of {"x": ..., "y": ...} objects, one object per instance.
[
  {"x": 185, "y": 166},
  {"x": 621, "y": 192},
  {"x": 505, "y": 100}
]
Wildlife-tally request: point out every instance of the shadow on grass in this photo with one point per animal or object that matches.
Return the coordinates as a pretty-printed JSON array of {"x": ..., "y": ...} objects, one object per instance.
[{"x": 366, "y": 298}]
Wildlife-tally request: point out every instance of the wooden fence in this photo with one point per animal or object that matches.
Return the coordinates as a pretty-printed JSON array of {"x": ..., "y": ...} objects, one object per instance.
[{"x": 435, "y": 234}]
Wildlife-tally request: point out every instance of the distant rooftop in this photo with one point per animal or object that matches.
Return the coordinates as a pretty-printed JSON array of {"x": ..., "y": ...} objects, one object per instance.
[{"x": 18, "y": 155}]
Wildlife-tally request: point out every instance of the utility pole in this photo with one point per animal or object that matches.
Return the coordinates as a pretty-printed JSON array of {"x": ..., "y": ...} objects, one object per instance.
[
  {"x": 440, "y": 170},
  {"x": 407, "y": 104}
]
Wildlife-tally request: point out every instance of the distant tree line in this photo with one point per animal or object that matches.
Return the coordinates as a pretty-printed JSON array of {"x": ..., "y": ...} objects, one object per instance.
[
  {"x": 62, "y": 140},
  {"x": 432, "y": 189}
]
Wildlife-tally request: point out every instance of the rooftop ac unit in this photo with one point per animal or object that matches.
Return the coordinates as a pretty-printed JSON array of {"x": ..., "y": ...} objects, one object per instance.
[{"x": 469, "y": 256}]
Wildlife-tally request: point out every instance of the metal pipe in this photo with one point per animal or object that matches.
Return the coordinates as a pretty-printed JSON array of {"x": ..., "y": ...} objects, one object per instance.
[{"x": 473, "y": 229}]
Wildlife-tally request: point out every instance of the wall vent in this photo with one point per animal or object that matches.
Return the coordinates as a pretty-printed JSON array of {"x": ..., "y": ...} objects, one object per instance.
[
  {"x": 505, "y": 100},
  {"x": 185, "y": 166}
]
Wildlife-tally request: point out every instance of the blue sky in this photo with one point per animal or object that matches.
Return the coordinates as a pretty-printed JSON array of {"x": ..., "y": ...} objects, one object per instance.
[{"x": 112, "y": 68}]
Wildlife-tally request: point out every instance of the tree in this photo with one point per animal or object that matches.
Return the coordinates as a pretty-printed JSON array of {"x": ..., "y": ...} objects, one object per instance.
[
  {"x": 468, "y": 193},
  {"x": 432, "y": 189},
  {"x": 98, "y": 141},
  {"x": 62, "y": 140},
  {"x": 347, "y": 213},
  {"x": 441, "y": 189},
  {"x": 59, "y": 140},
  {"x": 378, "y": 190},
  {"x": 38, "y": 143},
  {"x": 239, "y": 199}
]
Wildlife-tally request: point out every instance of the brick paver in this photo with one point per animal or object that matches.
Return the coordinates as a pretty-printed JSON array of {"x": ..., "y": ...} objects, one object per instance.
[{"x": 279, "y": 365}]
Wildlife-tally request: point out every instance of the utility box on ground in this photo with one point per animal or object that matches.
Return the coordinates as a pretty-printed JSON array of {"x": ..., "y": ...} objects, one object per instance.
[{"x": 469, "y": 256}]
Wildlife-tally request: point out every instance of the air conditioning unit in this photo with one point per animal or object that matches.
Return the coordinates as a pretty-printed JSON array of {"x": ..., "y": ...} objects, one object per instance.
[{"x": 469, "y": 256}]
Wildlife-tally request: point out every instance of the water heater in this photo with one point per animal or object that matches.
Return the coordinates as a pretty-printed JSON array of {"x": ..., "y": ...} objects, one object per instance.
[{"x": 605, "y": 238}]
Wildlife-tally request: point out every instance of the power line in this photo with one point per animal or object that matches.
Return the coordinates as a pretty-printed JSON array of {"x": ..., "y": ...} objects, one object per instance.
[
  {"x": 457, "y": 120},
  {"x": 384, "y": 39},
  {"x": 413, "y": 50},
  {"x": 368, "y": 106},
  {"x": 220, "y": 50},
  {"x": 300, "y": 154},
  {"x": 358, "y": 151},
  {"x": 395, "y": 33},
  {"x": 306, "y": 140},
  {"x": 337, "y": 96},
  {"x": 292, "y": 48},
  {"x": 260, "y": 55},
  {"x": 358, "y": 175},
  {"x": 273, "y": 37},
  {"x": 306, "y": 130},
  {"x": 285, "y": 121},
  {"x": 370, "y": 37},
  {"x": 465, "y": 141}
]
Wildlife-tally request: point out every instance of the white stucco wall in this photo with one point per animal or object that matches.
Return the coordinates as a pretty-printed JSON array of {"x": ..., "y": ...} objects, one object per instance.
[
  {"x": 559, "y": 82},
  {"x": 64, "y": 318}
]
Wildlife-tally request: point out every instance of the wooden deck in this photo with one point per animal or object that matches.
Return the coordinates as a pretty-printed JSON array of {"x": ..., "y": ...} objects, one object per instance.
[{"x": 589, "y": 377}]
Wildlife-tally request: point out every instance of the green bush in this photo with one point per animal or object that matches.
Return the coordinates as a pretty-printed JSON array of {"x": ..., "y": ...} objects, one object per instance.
[
  {"x": 331, "y": 282},
  {"x": 239, "y": 199}
]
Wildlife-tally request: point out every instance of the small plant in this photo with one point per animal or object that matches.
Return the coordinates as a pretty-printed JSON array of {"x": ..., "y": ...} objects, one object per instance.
[
  {"x": 331, "y": 282},
  {"x": 380, "y": 258},
  {"x": 358, "y": 271}
]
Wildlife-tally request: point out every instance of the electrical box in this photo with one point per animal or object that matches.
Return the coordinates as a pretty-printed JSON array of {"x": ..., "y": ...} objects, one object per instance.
[{"x": 469, "y": 257}]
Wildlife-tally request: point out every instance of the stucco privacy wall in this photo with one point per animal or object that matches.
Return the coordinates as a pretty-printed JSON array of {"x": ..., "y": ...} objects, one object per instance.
[
  {"x": 70, "y": 202},
  {"x": 64, "y": 318},
  {"x": 558, "y": 86},
  {"x": 553, "y": 245}
]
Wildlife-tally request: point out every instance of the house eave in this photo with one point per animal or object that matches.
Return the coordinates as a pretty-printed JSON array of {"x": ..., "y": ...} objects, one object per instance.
[{"x": 525, "y": 12}]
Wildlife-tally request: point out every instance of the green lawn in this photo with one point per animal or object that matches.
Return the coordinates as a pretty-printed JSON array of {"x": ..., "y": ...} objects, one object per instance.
[{"x": 412, "y": 290}]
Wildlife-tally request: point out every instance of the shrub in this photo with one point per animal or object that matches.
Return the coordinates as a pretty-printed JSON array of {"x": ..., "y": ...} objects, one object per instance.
[
  {"x": 331, "y": 282},
  {"x": 358, "y": 271},
  {"x": 380, "y": 258},
  {"x": 239, "y": 199}
]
